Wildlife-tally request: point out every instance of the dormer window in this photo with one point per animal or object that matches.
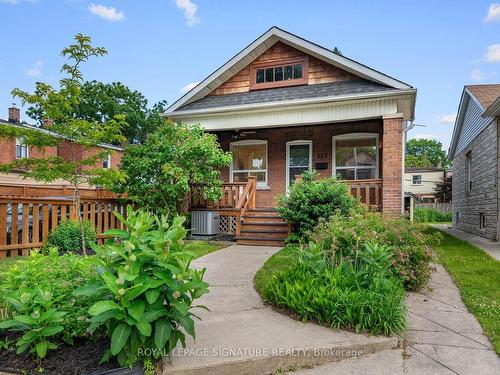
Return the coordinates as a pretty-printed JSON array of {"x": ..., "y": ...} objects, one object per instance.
[{"x": 286, "y": 72}]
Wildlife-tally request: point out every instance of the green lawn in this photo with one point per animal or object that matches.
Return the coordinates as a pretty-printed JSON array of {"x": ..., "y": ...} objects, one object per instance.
[
  {"x": 279, "y": 261},
  {"x": 201, "y": 248},
  {"x": 477, "y": 275}
]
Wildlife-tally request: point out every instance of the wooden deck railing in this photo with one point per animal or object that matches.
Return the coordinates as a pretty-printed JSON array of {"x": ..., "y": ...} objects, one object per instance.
[
  {"x": 26, "y": 222},
  {"x": 231, "y": 195},
  {"x": 25, "y": 191},
  {"x": 368, "y": 192},
  {"x": 246, "y": 201}
]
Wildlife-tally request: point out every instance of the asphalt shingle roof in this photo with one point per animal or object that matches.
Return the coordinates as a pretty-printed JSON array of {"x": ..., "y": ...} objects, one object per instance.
[
  {"x": 287, "y": 93},
  {"x": 486, "y": 94}
]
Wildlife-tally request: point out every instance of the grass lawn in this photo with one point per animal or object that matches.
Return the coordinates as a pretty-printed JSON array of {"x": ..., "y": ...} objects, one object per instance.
[
  {"x": 477, "y": 275},
  {"x": 201, "y": 248},
  {"x": 279, "y": 261}
]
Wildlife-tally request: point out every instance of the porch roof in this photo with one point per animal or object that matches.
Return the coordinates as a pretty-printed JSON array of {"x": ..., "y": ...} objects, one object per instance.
[{"x": 331, "y": 90}]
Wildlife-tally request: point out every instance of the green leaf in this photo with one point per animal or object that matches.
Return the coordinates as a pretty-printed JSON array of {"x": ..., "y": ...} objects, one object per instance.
[
  {"x": 41, "y": 348},
  {"x": 110, "y": 281},
  {"x": 102, "y": 306},
  {"x": 51, "y": 330},
  {"x": 152, "y": 295},
  {"x": 180, "y": 306},
  {"x": 24, "y": 319},
  {"x": 152, "y": 315},
  {"x": 88, "y": 290},
  {"x": 123, "y": 234},
  {"x": 110, "y": 314},
  {"x": 136, "y": 310},
  {"x": 134, "y": 292},
  {"x": 119, "y": 337},
  {"x": 188, "y": 324},
  {"x": 6, "y": 324},
  {"x": 162, "y": 332},
  {"x": 144, "y": 328}
]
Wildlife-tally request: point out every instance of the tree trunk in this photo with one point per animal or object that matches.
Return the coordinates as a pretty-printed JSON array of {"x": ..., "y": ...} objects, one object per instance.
[{"x": 77, "y": 203}]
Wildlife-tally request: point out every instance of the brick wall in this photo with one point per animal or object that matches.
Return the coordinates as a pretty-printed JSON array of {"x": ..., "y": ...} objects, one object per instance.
[
  {"x": 482, "y": 198},
  {"x": 319, "y": 71},
  {"x": 8, "y": 153},
  {"x": 66, "y": 151},
  {"x": 321, "y": 137},
  {"x": 392, "y": 162}
]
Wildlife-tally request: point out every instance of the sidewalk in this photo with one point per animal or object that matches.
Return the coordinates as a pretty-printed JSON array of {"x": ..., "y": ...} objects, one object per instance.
[
  {"x": 442, "y": 338},
  {"x": 242, "y": 336},
  {"x": 489, "y": 246}
]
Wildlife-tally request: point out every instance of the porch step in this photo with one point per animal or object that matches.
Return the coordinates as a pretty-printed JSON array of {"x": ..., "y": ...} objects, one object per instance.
[{"x": 263, "y": 227}]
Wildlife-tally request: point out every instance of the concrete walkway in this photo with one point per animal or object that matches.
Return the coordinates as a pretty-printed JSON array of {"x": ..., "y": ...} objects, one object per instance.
[
  {"x": 489, "y": 246},
  {"x": 442, "y": 338},
  {"x": 242, "y": 336}
]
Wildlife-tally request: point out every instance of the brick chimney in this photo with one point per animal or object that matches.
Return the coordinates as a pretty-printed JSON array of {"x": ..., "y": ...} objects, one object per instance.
[
  {"x": 47, "y": 122},
  {"x": 14, "y": 114}
]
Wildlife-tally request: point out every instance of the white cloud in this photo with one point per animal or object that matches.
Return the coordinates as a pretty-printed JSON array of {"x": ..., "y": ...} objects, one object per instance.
[
  {"x": 36, "y": 69},
  {"x": 493, "y": 13},
  {"x": 447, "y": 119},
  {"x": 493, "y": 53},
  {"x": 108, "y": 13},
  {"x": 189, "y": 10},
  {"x": 476, "y": 75},
  {"x": 189, "y": 87}
]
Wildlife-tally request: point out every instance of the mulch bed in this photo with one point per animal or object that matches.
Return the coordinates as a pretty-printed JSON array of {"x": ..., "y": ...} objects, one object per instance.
[{"x": 80, "y": 359}]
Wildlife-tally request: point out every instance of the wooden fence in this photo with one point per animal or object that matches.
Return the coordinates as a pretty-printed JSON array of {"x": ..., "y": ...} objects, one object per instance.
[
  {"x": 443, "y": 207},
  {"x": 12, "y": 190},
  {"x": 25, "y": 222}
]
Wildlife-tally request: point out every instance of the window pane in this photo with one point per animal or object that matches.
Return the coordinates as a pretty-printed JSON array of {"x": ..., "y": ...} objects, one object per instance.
[
  {"x": 260, "y": 76},
  {"x": 248, "y": 157},
  {"x": 299, "y": 156},
  {"x": 346, "y": 174},
  {"x": 261, "y": 176},
  {"x": 278, "y": 73},
  {"x": 269, "y": 75},
  {"x": 297, "y": 71},
  {"x": 344, "y": 155},
  {"x": 365, "y": 173},
  {"x": 288, "y": 72},
  {"x": 294, "y": 172},
  {"x": 240, "y": 176},
  {"x": 366, "y": 155},
  {"x": 356, "y": 152}
]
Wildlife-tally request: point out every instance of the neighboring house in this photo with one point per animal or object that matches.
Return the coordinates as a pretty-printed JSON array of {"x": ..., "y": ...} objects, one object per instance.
[
  {"x": 12, "y": 149},
  {"x": 474, "y": 152},
  {"x": 422, "y": 182},
  {"x": 284, "y": 105}
]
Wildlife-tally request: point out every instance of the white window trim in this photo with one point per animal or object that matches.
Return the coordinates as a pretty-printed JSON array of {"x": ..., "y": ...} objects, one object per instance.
[
  {"x": 109, "y": 161},
  {"x": 287, "y": 165},
  {"x": 412, "y": 180},
  {"x": 356, "y": 136},
  {"x": 19, "y": 143},
  {"x": 261, "y": 185}
]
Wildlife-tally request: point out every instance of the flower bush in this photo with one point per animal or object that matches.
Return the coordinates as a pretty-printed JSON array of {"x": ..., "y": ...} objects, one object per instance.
[
  {"x": 147, "y": 287},
  {"x": 314, "y": 198},
  {"x": 342, "y": 237}
]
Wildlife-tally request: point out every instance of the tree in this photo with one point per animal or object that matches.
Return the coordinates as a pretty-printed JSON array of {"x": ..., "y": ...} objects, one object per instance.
[
  {"x": 337, "y": 51},
  {"x": 443, "y": 189},
  {"x": 160, "y": 172},
  {"x": 101, "y": 102},
  {"x": 425, "y": 153},
  {"x": 80, "y": 138}
]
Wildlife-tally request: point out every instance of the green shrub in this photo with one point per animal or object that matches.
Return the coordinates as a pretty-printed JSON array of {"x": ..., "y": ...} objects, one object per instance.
[
  {"x": 360, "y": 295},
  {"x": 148, "y": 287},
  {"x": 67, "y": 236},
  {"x": 343, "y": 237},
  {"x": 41, "y": 287},
  {"x": 429, "y": 215},
  {"x": 314, "y": 198}
]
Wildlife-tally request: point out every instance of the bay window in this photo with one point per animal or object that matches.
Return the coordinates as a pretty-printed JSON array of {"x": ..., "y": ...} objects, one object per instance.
[
  {"x": 355, "y": 156},
  {"x": 249, "y": 159}
]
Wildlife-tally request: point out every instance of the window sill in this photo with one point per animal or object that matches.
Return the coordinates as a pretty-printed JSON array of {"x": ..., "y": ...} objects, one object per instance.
[{"x": 262, "y": 187}]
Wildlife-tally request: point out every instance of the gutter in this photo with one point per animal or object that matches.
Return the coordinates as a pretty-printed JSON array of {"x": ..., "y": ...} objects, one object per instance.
[{"x": 288, "y": 103}]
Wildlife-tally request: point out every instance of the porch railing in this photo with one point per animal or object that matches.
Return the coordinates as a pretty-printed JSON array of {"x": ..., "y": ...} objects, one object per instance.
[{"x": 368, "y": 192}]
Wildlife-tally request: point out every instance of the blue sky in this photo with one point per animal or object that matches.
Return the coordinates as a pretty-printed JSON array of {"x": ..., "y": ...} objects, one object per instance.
[{"x": 160, "y": 46}]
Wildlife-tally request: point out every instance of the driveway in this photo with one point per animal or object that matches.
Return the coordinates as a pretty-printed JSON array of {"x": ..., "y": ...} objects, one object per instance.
[{"x": 242, "y": 336}]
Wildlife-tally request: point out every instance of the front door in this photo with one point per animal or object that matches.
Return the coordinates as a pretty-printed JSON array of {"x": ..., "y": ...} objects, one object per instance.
[{"x": 298, "y": 160}]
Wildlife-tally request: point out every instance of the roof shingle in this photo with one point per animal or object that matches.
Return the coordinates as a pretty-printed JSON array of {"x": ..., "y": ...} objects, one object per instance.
[{"x": 486, "y": 94}]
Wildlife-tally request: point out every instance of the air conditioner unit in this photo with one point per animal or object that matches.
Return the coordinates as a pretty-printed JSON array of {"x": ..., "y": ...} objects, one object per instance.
[{"x": 205, "y": 224}]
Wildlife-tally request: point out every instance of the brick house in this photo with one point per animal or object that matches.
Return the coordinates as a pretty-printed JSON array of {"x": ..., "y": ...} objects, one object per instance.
[
  {"x": 284, "y": 104},
  {"x": 474, "y": 151},
  {"x": 12, "y": 149}
]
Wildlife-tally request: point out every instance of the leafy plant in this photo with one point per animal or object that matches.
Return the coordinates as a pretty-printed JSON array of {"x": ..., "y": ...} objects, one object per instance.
[
  {"x": 314, "y": 198},
  {"x": 160, "y": 172},
  {"x": 67, "y": 236},
  {"x": 36, "y": 317},
  {"x": 343, "y": 237},
  {"x": 60, "y": 276},
  {"x": 429, "y": 215},
  {"x": 148, "y": 285}
]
